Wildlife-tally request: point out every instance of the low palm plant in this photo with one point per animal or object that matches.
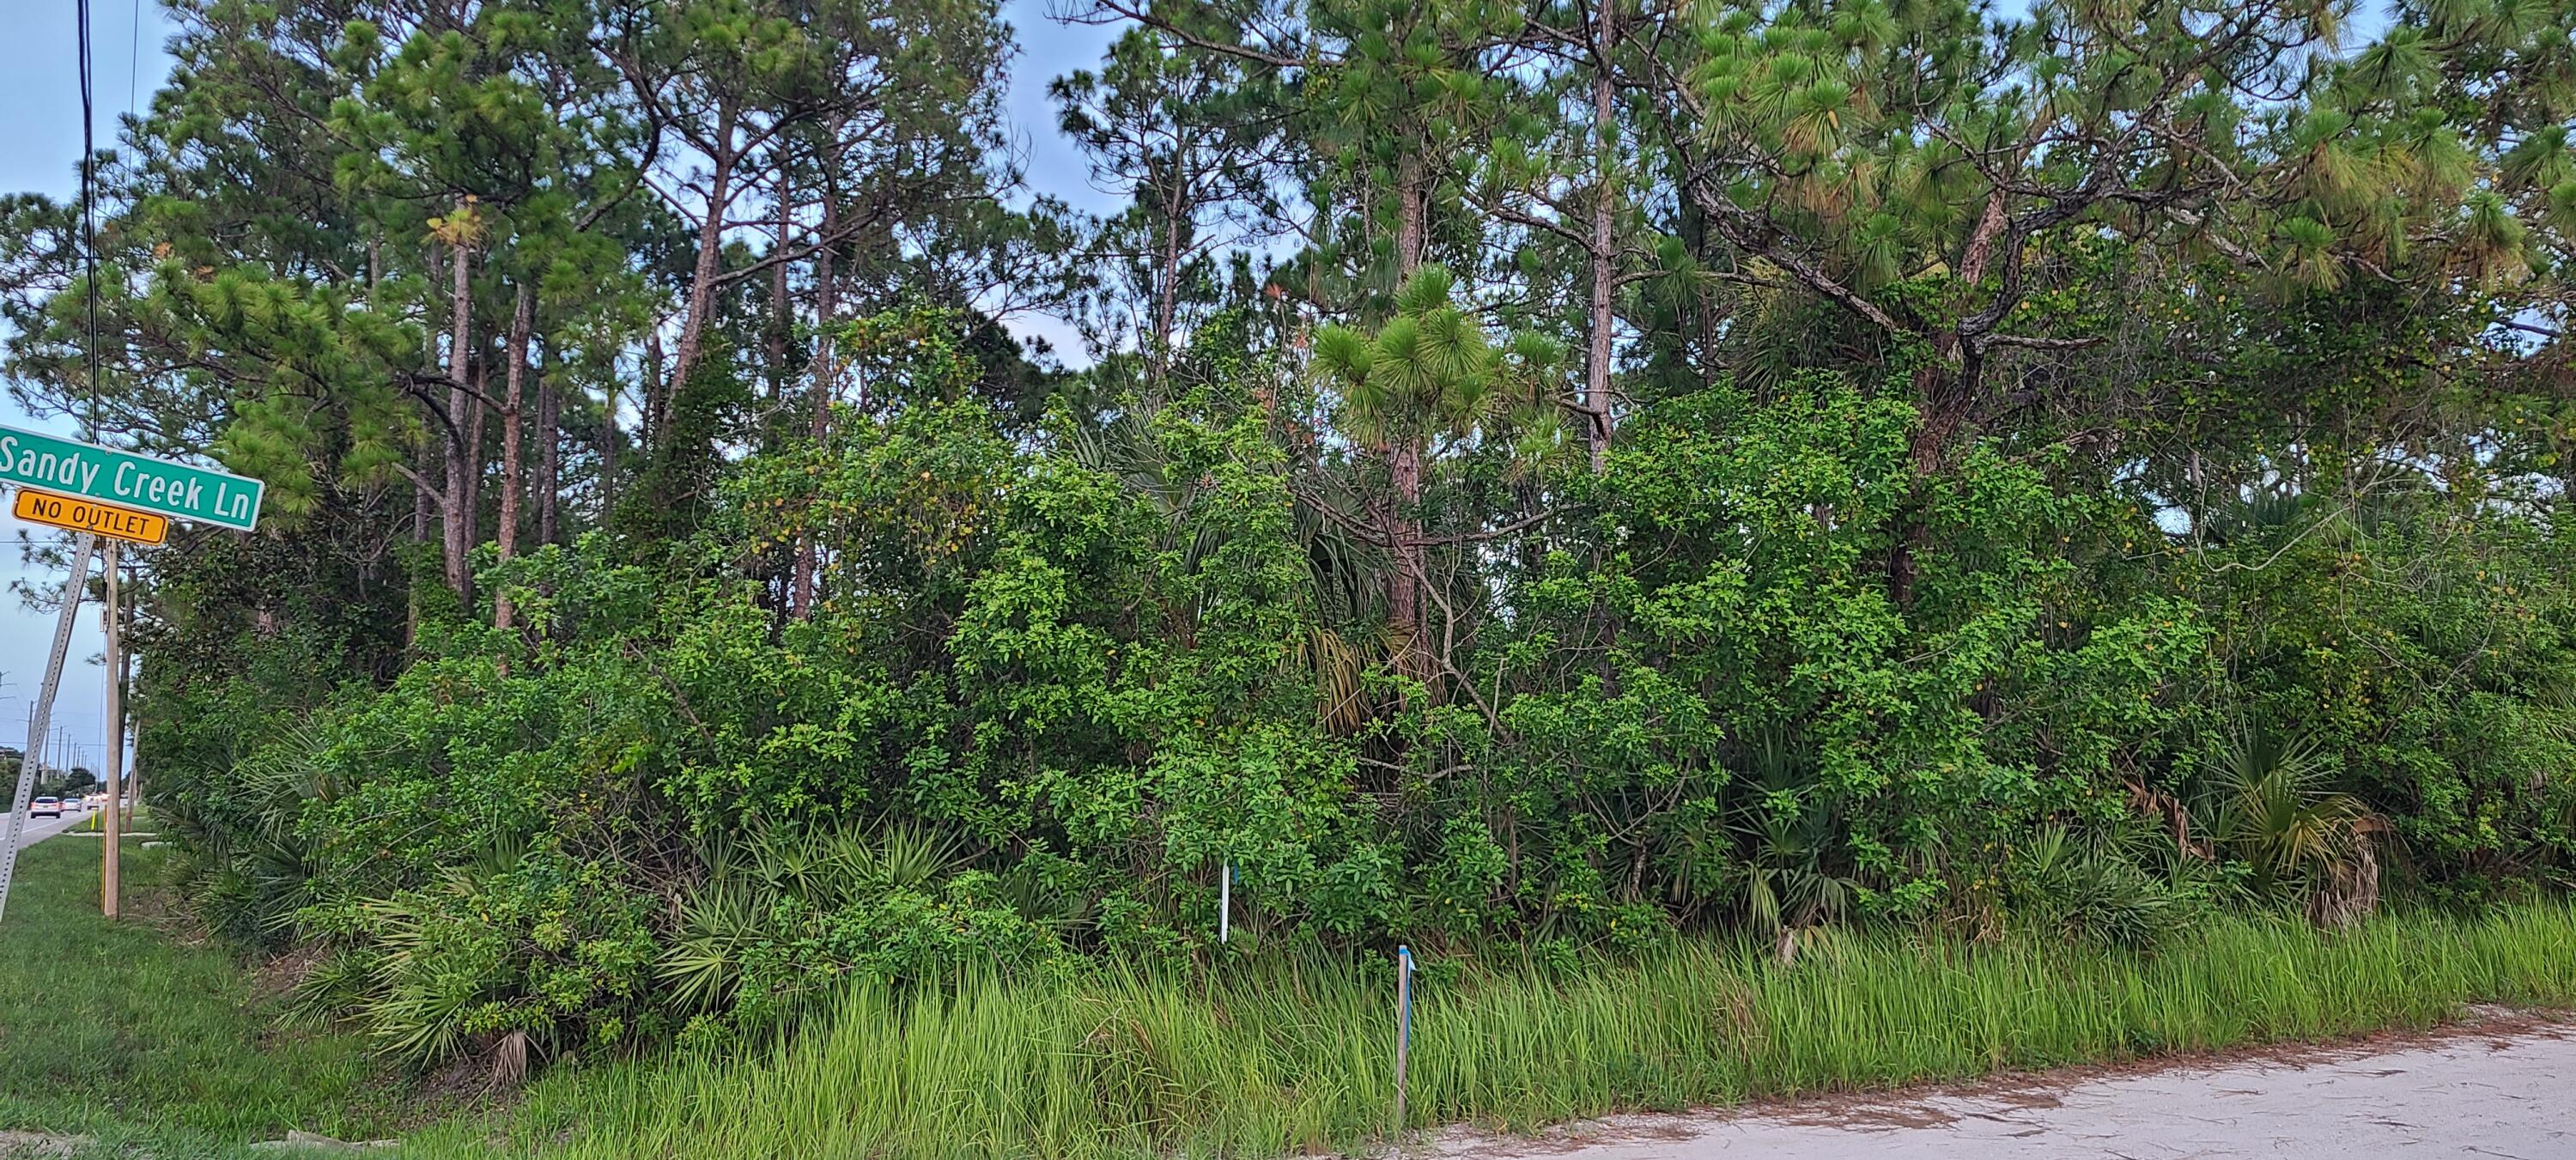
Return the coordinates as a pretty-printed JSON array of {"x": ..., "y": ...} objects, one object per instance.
[
  {"x": 1794, "y": 882},
  {"x": 2277, "y": 814},
  {"x": 251, "y": 877},
  {"x": 755, "y": 880},
  {"x": 2093, "y": 892}
]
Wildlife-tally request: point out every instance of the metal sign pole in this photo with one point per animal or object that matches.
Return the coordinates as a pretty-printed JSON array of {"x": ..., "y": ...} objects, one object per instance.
[
  {"x": 1403, "y": 1033},
  {"x": 42, "y": 718}
]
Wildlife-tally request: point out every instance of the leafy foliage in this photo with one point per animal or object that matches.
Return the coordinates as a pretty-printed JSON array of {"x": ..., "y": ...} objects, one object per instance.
[{"x": 1548, "y": 478}]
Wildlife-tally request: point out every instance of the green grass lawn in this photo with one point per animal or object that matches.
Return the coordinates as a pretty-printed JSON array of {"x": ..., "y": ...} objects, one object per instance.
[
  {"x": 96, "y": 823},
  {"x": 141, "y": 1038}
]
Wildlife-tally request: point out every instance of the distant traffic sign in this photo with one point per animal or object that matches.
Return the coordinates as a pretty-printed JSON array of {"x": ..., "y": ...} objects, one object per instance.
[
  {"x": 72, "y": 513},
  {"x": 127, "y": 479}
]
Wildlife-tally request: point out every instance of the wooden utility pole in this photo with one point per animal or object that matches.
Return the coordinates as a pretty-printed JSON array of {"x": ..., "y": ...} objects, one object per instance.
[{"x": 109, "y": 850}]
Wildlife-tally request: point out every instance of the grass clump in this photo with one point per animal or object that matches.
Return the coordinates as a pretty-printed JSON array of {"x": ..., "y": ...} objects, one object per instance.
[
  {"x": 1276, "y": 1058},
  {"x": 136, "y": 1037},
  {"x": 142, "y": 1042}
]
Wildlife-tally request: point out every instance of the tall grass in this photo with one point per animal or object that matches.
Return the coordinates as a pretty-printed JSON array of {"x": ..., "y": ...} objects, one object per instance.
[{"x": 1297, "y": 1058}]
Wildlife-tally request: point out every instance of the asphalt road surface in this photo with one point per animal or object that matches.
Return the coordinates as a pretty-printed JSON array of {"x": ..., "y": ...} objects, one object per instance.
[
  {"x": 39, "y": 829},
  {"x": 2506, "y": 1090}
]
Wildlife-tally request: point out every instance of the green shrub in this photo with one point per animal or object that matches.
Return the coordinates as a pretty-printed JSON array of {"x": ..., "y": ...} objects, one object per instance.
[{"x": 1056, "y": 683}]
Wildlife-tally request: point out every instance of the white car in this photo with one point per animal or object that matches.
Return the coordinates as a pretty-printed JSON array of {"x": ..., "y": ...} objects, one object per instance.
[{"x": 45, "y": 807}]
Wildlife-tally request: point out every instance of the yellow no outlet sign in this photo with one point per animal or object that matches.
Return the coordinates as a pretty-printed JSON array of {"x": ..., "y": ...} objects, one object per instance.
[{"x": 72, "y": 513}]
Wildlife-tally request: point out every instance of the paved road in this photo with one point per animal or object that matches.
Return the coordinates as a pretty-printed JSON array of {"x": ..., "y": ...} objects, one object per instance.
[
  {"x": 39, "y": 829},
  {"x": 2492, "y": 1094}
]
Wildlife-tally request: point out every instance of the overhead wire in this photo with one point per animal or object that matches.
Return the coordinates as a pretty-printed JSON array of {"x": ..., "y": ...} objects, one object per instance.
[
  {"x": 134, "y": 59},
  {"x": 89, "y": 210}
]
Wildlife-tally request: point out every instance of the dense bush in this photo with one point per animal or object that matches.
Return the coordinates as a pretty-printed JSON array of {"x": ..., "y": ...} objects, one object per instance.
[
  {"x": 1054, "y": 685},
  {"x": 1538, "y": 478}
]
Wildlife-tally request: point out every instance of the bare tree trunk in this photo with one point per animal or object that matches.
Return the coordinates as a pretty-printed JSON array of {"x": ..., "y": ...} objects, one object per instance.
[
  {"x": 702, "y": 279},
  {"x": 1944, "y": 395},
  {"x": 608, "y": 454},
  {"x": 476, "y": 412},
  {"x": 781, "y": 314},
  {"x": 826, "y": 314},
  {"x": 657, "y": 390},
  {"x": 423, "y": 502},
  {"x": 456, "y": 515},
  {"x": 1404, "y": 528},
  {"x": 1605, "y": 209},
  {"x": 1404, "y": 455},
  {"x": 511, "y": 485},
  {"x": 549, "y": 481},
  {"x": 423, "y": 509},
  {"x": 1168, "y": 291},
  {"x": 467, "y": 493},
  {"x": 1980, "y": 251},
  {"x": 1412, "y": 207}
]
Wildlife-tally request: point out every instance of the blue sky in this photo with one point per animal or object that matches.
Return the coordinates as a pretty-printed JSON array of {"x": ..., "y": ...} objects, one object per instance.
[
  {"x": 40, "y": 138},
  {"x": 40, "y": 150}
]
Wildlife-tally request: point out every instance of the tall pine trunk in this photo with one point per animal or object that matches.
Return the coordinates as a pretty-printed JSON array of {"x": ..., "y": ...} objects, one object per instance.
[
  {"x": 549, "y": 481},
  {"x": 1168, "y": 290},
  {"x": 1403, "y": 522},
  {"x": 827, "y": 316},
  {"x": 608, "y": 441},
  {"x": 1404, "y": 527},
  {"x": 1412, "y": 208},
  {"x": 1945, "y": 397},
  {"x": 456, "y": 514},
  {"x": 827, "y": 307},
  {"x": 511, "y": 485},
  {"x": 693, "y": 319},
  {"x": 1605, "y": 209},
  {"x": 702, "y": 277},
  {"x": 782, "y": 314},
  {"x": 655, "y": 406},
  {"x": 424, "y": 502},
  {"x": 478, "y": 410}
]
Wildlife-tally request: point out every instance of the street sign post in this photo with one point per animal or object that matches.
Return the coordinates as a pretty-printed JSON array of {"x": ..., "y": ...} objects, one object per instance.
[
  {"x": 102, "y": 495},
  {"x": 74, "y": 514},
  {"x": 126, "y": 479}
]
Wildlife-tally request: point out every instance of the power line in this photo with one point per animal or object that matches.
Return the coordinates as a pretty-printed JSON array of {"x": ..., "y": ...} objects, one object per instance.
[
  {"x": 134, "y": 59},
  {"x": 89, "y": 208}
]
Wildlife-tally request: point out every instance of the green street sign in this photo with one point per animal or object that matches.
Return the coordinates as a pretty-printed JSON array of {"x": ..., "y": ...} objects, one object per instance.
[{"x": 122, "y": 477}]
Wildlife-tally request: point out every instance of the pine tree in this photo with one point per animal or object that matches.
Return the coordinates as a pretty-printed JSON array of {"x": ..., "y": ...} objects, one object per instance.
[{"x": 1190, "y": 140}]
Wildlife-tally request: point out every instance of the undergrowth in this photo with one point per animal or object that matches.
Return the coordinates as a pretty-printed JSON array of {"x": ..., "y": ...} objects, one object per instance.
[{"x": 1276, "y": 1057}]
